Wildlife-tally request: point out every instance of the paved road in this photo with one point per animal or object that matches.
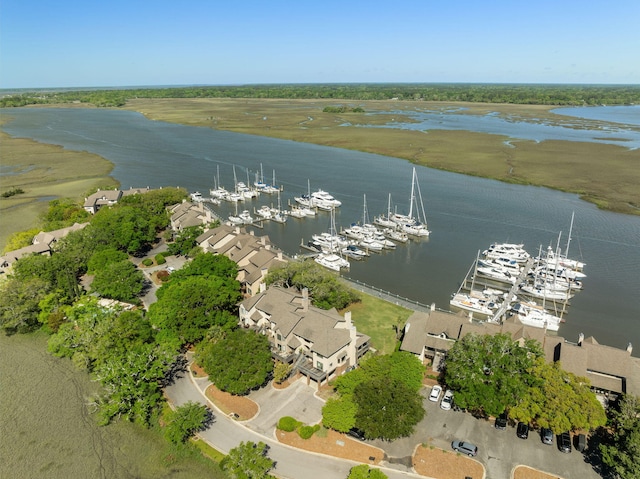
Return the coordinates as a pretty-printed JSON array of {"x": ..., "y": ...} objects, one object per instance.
[{"x": 225, "y": 434}]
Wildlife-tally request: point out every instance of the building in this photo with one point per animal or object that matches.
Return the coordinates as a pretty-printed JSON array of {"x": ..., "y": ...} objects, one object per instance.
[
  {"x": 319, "y": 344},
  {"x": 187, "y": 214},
  {"x": 253, "y": 255},
  {"x": 610, "y": 370},
  {"x": 109, "y": 198}
]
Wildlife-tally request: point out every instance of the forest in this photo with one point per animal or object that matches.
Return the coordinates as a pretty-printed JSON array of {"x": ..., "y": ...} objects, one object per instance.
[{"x": 524, "y": 94}]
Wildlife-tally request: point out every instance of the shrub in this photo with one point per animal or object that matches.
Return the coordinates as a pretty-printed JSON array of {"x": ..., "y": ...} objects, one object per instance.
[
  {"x": 160, "y": 259},
  {"x": 164, "y": 254},
  {"x": 163, "y": 276},
  {"x": 147, "y": 262},
  {"x": 288, "y": 424},
  {"x": 305, "y": 432}
]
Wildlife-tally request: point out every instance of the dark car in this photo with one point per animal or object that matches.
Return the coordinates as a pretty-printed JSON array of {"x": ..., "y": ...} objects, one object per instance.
[
  {"x": 522, "y": 431},
  {"x": 356, "y": 433},
  {"x": 465, "y": 448},
  {"x": 564, "y": 442},
  {"x": 501, "y": 422},
  {"x": 546, "y": 435},
  {"x": 581, "y": 442}
]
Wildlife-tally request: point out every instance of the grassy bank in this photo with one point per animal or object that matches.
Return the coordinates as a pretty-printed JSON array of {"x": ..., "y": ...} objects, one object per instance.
[
  {"x": 606, "y": 175},
  {"x": 44, "y": 172},
  {"x": 48, "y": 429}
]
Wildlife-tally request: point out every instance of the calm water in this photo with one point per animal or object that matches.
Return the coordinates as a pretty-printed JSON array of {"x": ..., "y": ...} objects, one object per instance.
[
  {"x": 619, "y": 125},
  {"x": 465, "y": 214}
]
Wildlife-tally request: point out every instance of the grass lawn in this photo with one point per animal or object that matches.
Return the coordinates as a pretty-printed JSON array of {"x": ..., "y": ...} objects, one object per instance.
[{"x": 376, "y": 318}]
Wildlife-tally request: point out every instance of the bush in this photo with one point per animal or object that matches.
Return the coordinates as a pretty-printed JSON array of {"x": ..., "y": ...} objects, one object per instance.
[
  {"x": 164, "y": 254},
  {"x": 160, "y": 259},
  {"x": 163, "y": 276},
  {"x": 147, "y": 262},
  {"x": 305, "y": 432},
  {"x": 288, "y": 424}
]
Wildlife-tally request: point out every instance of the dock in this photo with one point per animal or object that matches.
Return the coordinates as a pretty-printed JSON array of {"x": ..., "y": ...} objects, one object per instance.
[{"x": 506, "y": 303}]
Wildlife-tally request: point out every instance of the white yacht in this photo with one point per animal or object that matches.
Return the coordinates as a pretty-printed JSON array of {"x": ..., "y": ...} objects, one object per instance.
[
  {"x": 264, "y": 212},
  {"x": 324, "y": 200},
  {"x": 531, "y": 314},
  {"x": 332, "y": 261},
  {"x": 474, "y": 304},
  {"x": 509, "y": 250}
]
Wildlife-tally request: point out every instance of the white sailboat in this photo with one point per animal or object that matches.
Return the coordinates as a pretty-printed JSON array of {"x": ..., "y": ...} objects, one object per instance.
[{"x": 410, "y": 224}]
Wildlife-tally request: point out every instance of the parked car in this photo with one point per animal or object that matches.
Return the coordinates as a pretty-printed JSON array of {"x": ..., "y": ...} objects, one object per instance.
[
  {"x": 522, "y": 430},
  {"x": 356, "y": 433},
  {"x": 581, "y": 442},
  {"x": 465, "y": 448},
  {"x": 564, "y": 442},
  {"x": 501, "y": 422},
  {"x": 546, "y": 435},
  {"x": 447, "y": 400},
  {"x": 435, "y": 393}
]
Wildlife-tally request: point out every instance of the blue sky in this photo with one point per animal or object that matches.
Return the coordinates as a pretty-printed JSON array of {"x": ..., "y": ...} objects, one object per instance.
[{"x": 69, "y": 43}]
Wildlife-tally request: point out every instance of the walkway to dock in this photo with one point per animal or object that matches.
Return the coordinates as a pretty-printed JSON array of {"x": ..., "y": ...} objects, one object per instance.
[
  {"x": 388, "y": 296},
  {"x": 497, "y": 318}
]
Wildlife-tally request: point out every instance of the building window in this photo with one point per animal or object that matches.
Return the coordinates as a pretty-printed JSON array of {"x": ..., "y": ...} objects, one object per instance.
[
  {"x": 279, "y": 337},
  {"x": 319, "y": 365}
]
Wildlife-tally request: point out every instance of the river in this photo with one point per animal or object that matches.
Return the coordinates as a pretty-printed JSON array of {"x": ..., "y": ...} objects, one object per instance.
[{"x": 465, "y": 214}]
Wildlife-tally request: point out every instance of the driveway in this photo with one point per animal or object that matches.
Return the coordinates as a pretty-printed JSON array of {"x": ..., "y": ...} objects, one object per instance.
[{"x": 298, "y": 401}]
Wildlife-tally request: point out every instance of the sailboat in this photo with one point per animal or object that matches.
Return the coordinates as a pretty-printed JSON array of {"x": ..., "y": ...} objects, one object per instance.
[
  {"x": 278, "y": 215},
  {"x": 410, "y": 224},
  {"x": 218, "y": 192}
]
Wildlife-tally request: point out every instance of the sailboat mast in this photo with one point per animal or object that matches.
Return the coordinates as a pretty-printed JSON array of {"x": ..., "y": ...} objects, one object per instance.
[
  {"x": 566, "y": 252},
  {"x": 411, "y": 200}
]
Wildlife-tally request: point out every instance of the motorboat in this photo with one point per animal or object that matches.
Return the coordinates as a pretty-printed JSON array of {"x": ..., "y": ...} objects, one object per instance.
[
  {"x": 541, "y": 292},
  {"x": 332, "y": 261},
  {"x": 196, "y": 197},
  {"x": 531, "y": 314},
  {"x": 353, "y": 252},
  {"x": 509, "y": 250},
  {"x": 395, "y": 235},
  {"x": 473, "y": 304},
  {"x": 243, "y": 218},
  {"x": 264, "y": 212},
  {"x": 370, "y": 244},
  {"x": 495, "y": 273},
  {"x": 324, "y": 200}
]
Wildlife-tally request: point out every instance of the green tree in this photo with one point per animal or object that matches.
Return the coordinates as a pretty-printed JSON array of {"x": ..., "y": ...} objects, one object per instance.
[
  {"x": 281, "y": 372},
  {"x": 185, "y": 421},
  {"x": 188, "y": 308},
  {"x": 102, "y": 258},
  {"x": 363, "y": 471},
  {"x": 20, "y": 239},
  {"x": 185, "y": 240},
  {"x": 558, "y": 400},
  {"x": 63, "y": 212},
  {"x": 237, "y": 363},
  {"x": 248, "y": 461},
  {"x": 19, "y": 308},
  {"x": 621, "y": 449},
  {"x": 387, "y": 408},
  {"x": 126, "y": 228},
  {"x": 121, "y": 281},
  {"x": 207, "y": 264},
  {"x": 132, "y": 382},
  {"x": 490, "y": 373},
  {"x": 339, "y": 413},
  {"x": 325, "y": 289}
]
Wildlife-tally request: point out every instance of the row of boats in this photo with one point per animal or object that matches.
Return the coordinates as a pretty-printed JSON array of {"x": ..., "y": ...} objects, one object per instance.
[{"x": 507, "y": 281}]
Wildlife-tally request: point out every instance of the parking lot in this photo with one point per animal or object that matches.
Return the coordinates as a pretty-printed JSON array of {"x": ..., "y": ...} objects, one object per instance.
[{"x": 499, "y": 451}]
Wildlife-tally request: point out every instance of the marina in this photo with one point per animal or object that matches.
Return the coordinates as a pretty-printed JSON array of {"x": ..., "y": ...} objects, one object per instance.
[{"x": 464, "y": 213}]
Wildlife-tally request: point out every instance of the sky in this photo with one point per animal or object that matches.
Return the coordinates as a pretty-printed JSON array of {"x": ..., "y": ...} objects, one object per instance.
[{"x": 70, "y": 43}]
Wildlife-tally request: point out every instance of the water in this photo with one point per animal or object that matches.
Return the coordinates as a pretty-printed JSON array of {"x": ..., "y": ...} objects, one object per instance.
[
  {"x": 611, "y": 125},
  {"x": 465, "y": 213}
]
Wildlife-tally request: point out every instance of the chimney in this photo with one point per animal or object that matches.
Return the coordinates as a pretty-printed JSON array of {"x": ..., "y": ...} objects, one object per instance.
[
  {"x": 629, "y": 348},
  {"x": 263, "y": 241},
  {"x": 280, "y": 255},
  {"x": 305, "y": 299},
  {"x": 580, "y": 339},
  {"x": 263, "y": 287},
  {"x": 353, "y": 340},
  {"x": 347, "y": 319},
  {"x": 433, "y": 306}
]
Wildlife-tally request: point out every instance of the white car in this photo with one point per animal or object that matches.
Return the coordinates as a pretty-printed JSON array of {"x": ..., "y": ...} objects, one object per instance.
[
  {"x": 435, "y": 393},
  {"x": 447, "y": 400}
]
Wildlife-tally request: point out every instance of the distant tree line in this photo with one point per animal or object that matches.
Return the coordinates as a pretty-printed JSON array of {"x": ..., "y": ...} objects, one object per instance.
[{"x": 529, "y": 94}]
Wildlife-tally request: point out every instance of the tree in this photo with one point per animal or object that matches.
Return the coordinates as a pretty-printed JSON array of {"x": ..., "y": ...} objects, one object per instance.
[
  {"x": 621, "y": 450},
  {"x": 185, "y": 241},
  {"x": 237, "y": 363},
  {"x": 325, "y": 290},
  {"x": 490, "y": 373},
  {"x": 20, "y": 239},
  {"x": 248, "y": 461},
  {"x": 121, "y": 281},
  {"x": 102, "y": 258},
  {"x": 185, "y": 421},
  {"x": 188, "y": 308},
  {"x": 339, "y": 413},
  {"x": 387, "y": 408},
  {"x": 281, "y": 371},
  {"x": 363, "y": 471},
  {"x": 207, "y": 264},
  {"x": 19, "y": 307}
]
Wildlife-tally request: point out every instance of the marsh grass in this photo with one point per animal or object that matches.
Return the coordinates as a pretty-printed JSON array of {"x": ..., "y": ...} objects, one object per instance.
[
  {"x": 606, "y": 175},
  {"x": 376, "y": 318},
  {"x": 44, "y": 172},
  {"x": 48, "y": 429}
]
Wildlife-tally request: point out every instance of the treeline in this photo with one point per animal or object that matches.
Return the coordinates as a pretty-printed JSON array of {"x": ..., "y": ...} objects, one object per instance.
[{"x": 530, "y": 94}]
